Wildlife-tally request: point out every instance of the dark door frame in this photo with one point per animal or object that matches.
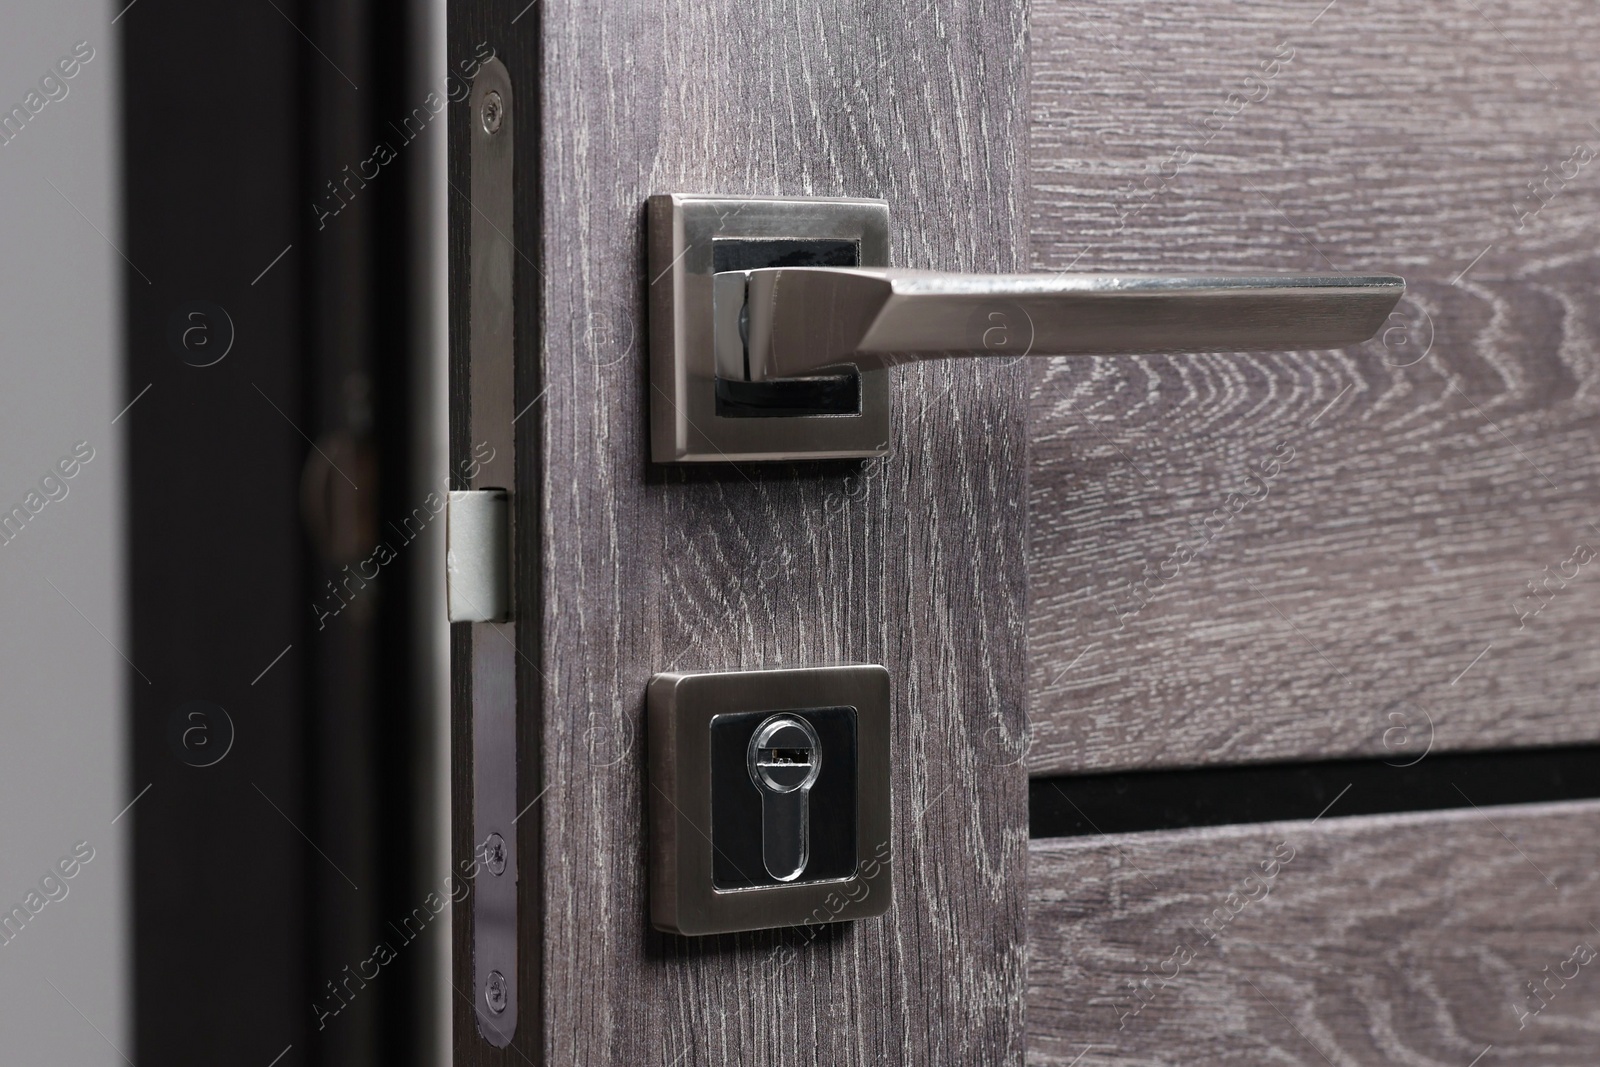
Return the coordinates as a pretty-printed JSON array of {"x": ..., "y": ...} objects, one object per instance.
[{"x": 263, "y": 880}]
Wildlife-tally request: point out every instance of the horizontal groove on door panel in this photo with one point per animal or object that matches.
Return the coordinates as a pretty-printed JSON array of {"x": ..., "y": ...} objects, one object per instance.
[
  {"x": 1443, "y": 938},
  {"x": 1133, "y": 802}
]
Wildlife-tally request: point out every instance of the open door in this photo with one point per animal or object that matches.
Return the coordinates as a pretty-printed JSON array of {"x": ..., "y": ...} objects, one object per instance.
[{"x": 1237, "y": 703}]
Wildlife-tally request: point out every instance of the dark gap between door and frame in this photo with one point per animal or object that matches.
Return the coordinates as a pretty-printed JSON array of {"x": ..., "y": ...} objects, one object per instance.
[{"x": 1142, "y": 801}]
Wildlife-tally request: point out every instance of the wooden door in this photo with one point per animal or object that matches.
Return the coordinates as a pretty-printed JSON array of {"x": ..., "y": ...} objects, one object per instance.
[
  {"x": 627, "y": 568},
  {"x": 1409, "y": 588},
  {"x": 1017, "y": 562}
]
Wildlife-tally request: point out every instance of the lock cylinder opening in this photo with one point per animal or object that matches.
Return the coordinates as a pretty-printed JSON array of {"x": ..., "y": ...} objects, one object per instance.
[
  {"x": 784, "y": 760},
  {"x": 783, "y": 797}
]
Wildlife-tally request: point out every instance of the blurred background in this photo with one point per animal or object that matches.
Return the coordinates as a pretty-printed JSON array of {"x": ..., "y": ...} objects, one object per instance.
[{"x": 224, "y": 759}]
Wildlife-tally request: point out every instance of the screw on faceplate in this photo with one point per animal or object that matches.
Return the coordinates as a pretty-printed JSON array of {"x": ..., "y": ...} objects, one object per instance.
[
  {"x": 494, "y": 854},
  {"x": 493, "y": 112},
  {"x": 494, "y": 992}
]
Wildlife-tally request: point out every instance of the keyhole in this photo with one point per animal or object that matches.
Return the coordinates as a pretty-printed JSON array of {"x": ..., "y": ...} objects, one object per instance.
[{"x": 784, "y": 759}]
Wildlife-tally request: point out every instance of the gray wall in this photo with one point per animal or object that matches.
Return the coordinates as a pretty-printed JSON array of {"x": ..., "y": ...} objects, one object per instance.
[{"x": 62, "y": 714}]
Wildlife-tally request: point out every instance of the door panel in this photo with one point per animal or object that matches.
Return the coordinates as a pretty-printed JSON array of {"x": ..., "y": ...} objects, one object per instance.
[
  {"x": 1435, "y": 471},
  {"x": 1410, "y": 490},
  {"x": 1392, "y": 939},
  {"x": 915, "y": 562}
]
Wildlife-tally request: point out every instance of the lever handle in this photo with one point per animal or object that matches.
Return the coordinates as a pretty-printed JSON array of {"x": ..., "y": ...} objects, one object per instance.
[{"x": 798, "y": 320}]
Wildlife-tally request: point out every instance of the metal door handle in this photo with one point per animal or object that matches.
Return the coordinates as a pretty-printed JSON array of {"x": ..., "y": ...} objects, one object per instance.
[
  {"x": 789, "y": 322},
  {"x": 752, "y": 299}
]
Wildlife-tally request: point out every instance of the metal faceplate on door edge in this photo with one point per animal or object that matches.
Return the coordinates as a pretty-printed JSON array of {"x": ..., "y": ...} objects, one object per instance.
[
  {"x": 491, "y": 375},
  {"x": 692, "y": 419}
]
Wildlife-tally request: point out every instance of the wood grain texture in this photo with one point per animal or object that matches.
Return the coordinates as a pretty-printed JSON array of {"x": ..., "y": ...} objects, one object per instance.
[
  {"x": 1407, "y": 939},
  {"x": 917, "y": 563},
  {"x": 1436, "y": 471}
]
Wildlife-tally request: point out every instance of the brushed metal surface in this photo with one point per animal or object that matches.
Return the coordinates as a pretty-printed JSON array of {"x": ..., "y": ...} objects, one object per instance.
[
  {"x": 804, "y": 319},
  {"x": 684, "y": 424},
  {"x": 477, "y": 578},
  {"x": 682, "y": 705},
  {"x": 494, "y": 702}
]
